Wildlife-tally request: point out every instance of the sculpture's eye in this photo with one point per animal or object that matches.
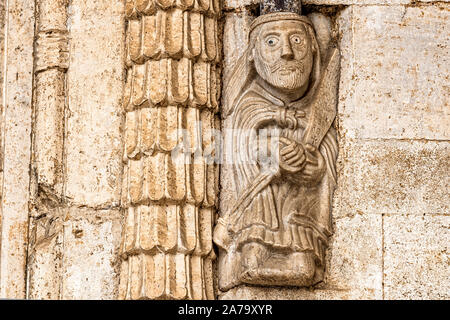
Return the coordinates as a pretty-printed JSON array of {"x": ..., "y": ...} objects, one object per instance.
[
  {"x": 272, "y": 41},
  {"x": 296, "y": 39}
]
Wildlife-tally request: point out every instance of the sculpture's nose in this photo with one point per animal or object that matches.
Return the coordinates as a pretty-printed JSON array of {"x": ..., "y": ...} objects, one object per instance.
[{"x": 286, "y": 50}]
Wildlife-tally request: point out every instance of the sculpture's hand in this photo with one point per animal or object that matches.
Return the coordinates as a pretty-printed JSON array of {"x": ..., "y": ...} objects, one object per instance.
[
  {"x": 292, "y": 156},
  {"x": 314, "y": 165}
]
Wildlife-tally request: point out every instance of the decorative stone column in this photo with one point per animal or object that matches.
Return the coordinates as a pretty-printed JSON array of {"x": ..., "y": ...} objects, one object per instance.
[
  {"x": 17, "y": 73},
  {"x": 51, "y": 64},
  {"x": 76, "y": 160},
  {"x": 169, "y": 197}
]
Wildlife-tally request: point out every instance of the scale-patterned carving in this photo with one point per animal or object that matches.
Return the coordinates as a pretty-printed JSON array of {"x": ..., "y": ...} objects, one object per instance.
[{"x": 172, "y": 93}]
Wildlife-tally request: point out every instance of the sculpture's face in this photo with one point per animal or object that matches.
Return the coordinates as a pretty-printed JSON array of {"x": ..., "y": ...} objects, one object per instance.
[{"x": 283, "y": 54}]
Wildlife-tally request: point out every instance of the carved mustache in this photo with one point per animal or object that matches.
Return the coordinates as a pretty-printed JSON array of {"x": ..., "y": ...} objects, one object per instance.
[{"x": 299, "y": 65}]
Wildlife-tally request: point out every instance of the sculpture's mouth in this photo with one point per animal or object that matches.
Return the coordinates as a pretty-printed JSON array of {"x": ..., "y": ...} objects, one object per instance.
[{"x": 289, "y": 69}]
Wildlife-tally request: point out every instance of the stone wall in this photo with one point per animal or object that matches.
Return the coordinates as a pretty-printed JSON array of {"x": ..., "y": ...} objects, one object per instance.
[
  {"x": 62, "y": 141},
  {"x": 391, "y": 206},
  {"x": 61, "y": 158}
]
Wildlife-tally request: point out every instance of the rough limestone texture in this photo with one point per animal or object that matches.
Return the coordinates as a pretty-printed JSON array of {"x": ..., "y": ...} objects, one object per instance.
[
  {"x": 95, "y": 80},
  {"x": 391, "y": 208},
  {"x": 416, "y": 255},
  {"x": 395, "y": 72},
  {"x": 354, "y": 272},
  {"x": 399, "y": 176},
  {"x": 240, "y": 4},
  {"x": 16, "y": 146},
  {"x": 60, "y": 216},
  {"x": 45, "y": 256},
  {"x": 76, "y": 222},
  {"x": 91, "y": 261}
]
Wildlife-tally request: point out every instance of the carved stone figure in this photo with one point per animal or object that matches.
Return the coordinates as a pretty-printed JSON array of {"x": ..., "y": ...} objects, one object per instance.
[
  {"x": 173, "y": 85},
  {"x": 281, "y": 99}
]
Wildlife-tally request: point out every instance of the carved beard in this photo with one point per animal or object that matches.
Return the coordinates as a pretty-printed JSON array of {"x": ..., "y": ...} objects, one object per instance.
[{"x": 283, "y": 74}]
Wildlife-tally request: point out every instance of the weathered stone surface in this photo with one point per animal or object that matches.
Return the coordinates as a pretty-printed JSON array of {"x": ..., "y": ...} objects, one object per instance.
[
  {"x": 279, "y": 293},
  {"x": 171, "y": 100},
  {"x": 391, "y": 176},
  {"x": 379, "y": 170},
  {"x": 394, "y": 81},
  {"x": 51, "y": 63},
  {"x": 235, "y": 39},
  {"x": 238, "y": 4},
  {"x": 46, "y": 254},
  {"x": 16, "y": 146},
  {"x": 45, "y": 275},
  {"x": 51, "y": 14},
  {"x": 49, "y": 130},
  {"x": 2, "y": 75},
  {"x": 96, "y": 80},
  {"x": 355, "y": 256},
  {"x": 91, "y": 262},
  {"x": 354, "y": 262},
  {"x": 74, "y": 252},
  {"x": 390, "y": 211},
  {"x": 416, "y": 257}
]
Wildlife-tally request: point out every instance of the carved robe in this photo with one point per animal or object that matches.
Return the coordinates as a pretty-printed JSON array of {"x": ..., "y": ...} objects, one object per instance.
[{"x": 285, "y": 215}]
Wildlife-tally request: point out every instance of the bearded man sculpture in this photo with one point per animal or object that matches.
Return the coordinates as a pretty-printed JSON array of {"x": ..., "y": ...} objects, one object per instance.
[{"x": 281, "y": 100}]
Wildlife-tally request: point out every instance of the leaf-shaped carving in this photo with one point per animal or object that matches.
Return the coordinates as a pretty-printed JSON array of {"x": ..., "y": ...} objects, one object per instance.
[
  {"x": 145, "y": 7},
  {"x": 188, "y": 228},
  {"x": 156, "y": 176},
  {"x": 174, "y": 33},
  {"x": 151, "y": 36},
  {"x": 149, "y": 117},
  {"x": 139, "y": 89},
  {"x": 210, "y": 44},
  {"x": 176, "y": 177},
  {"x": 157, "y": 84},
  {"x": 176, "y": 269},
  {"x": 135, "y": 40},
  {"x": 147, "y": 228},
  {"x": 130, "y": 227},
  {"x": 205, "y": 222},
  {"x": 185, "y": 4},
  {"x": 168, "y": 128},
  {"x": 131, "y": 133},
  {"x": 200, "y": 82},
  {"x": 193, "y": 34},
  {"x": 180, "y": 74},
  {"x": 136, "y": 181},
  {"x": 170, "y": 227},
  {"x": 165, "y": 4}
]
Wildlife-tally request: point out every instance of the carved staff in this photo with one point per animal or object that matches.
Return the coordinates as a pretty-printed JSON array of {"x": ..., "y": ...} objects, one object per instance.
[{"x": 172, "y": 85}]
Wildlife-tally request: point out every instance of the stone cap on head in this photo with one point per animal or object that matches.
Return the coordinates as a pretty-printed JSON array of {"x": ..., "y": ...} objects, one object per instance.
[
  {"x": 278, "y": 16},
  {"x": 271, "y": 6}
]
